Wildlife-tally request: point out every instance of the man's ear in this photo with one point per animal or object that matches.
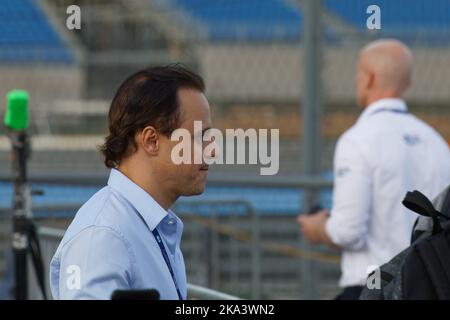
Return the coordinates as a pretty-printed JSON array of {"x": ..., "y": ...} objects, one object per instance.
[
  {"x": 370, "y": 80},
  {"x": 149, "y": 140}
]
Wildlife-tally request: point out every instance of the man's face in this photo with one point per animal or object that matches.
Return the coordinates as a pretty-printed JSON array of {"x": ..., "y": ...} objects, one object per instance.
[{"x": 187, "y": 179}]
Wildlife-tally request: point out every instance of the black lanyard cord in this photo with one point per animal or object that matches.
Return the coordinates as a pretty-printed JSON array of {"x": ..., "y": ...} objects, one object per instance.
[
  {"x": 166, "y": 259},
  {"x": 389, "y": 110}
]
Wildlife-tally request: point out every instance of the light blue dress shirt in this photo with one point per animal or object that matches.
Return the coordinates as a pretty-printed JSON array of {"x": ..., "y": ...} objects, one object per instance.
[{"x": 109, "y": 245}]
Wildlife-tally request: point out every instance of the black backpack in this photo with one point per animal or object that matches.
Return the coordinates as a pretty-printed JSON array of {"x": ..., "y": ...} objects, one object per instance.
[{"x": 421, "y": 271}]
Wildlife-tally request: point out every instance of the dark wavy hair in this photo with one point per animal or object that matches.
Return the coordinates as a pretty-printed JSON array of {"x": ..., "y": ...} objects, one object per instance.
[{"x": 148, "y": 97}]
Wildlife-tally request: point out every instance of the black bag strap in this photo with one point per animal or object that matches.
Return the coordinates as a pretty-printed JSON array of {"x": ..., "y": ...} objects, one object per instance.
[
  {"x": 446, "y": 205},
  {"x": 419, "y": 203},
  {"x": 442, "y": 248},
  {"x": 435, "y": 256}
]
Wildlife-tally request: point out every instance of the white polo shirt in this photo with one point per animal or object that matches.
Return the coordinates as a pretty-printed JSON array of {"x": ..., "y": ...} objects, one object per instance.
[{"x": 385, "y": 154}]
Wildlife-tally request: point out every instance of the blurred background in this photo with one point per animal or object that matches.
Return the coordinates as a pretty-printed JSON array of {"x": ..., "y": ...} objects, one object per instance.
[{"x": 282, "y": 64}]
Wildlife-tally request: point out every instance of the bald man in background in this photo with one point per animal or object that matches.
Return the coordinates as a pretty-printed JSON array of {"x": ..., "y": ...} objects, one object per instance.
[{"x": 386, "y": 153}]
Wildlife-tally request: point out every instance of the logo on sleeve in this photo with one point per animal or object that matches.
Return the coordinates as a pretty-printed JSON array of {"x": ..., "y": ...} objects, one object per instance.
[
  {"x": 411, "y": 139},
  {"x": 341, "y": 172}
]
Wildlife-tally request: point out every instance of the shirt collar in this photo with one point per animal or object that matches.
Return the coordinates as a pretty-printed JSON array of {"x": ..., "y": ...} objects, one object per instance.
[
  {"x": 395, "y": 104},
  {"x": 148, "y": 208}
]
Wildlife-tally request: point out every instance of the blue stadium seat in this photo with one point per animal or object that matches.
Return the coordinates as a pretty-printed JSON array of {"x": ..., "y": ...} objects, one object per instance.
[
  {"x": 27, "y": 37},
  {"x": 249, "y": 20},
  {"x": 413, "y": 21},
  {"x": 410, "y": 20}
]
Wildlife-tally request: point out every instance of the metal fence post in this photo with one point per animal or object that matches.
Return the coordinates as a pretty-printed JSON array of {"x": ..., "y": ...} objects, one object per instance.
[
  {"x": 214, "y": 255},
  {"x": 234, "y": 250},
  {"x": 311, "y": 118},
  {"x": 256, "y": 254}
]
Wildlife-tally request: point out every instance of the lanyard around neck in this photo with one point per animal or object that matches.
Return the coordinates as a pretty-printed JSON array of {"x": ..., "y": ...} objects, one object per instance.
[
  {"x": 389, "y": 110},
  {"x": 166, "y": 259}
]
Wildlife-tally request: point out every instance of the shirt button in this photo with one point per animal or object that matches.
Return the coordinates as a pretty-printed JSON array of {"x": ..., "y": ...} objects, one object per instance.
[{"x": 171, "y": 221}]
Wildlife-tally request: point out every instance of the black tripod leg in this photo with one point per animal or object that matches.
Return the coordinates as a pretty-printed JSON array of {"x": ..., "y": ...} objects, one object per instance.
[{"x": 20, "y": 246}]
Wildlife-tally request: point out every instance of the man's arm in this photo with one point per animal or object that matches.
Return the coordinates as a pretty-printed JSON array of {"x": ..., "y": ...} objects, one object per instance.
[
  {"x": 352, "y": 193},
  {"x": 92, "y": 265},
  {"x": 347, "y": 225},
  {"x": 313, "y": 228}
]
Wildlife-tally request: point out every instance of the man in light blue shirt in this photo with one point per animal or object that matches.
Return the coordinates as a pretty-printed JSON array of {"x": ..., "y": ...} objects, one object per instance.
[{"x": 112, "y": 243}]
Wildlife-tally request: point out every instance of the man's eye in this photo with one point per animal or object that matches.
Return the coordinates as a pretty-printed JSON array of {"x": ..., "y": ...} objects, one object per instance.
[{"x": 207, "y": 137}]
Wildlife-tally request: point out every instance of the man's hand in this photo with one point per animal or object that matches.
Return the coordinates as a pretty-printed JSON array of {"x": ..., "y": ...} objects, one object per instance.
[{"x": 313, "y": 226}]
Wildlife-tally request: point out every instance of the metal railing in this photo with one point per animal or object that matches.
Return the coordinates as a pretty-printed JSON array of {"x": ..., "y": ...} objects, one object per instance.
[
  {"x": 213, "y": 234},
  {"x": 99, "y": 178},
  {"x": 50, "y": 239},
  {"x": 214, "y": 228}
]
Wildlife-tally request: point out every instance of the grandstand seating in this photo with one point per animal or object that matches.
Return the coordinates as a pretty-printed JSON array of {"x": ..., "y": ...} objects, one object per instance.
[
  {"x": 410, "y": 15},
  {"x": 262, "y": 20},
  {"x": 27, "y": 37},
  {"x": 250, "y": 20},
  {"x": 410, "y": 20}
]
